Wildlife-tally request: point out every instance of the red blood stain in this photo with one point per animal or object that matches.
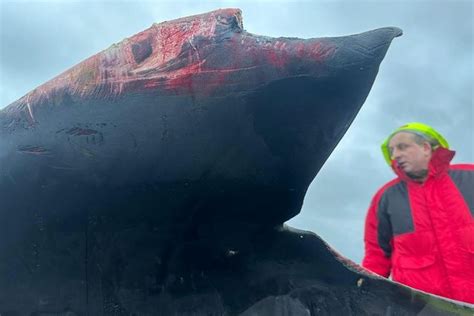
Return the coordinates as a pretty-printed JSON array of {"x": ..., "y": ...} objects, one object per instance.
[
  {"x": 175, "y": 63},
  {"x": 320, "y": 52}
]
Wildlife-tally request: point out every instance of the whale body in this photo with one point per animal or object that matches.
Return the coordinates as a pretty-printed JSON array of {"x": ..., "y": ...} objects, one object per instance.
[{"x": 154, "y": 177}]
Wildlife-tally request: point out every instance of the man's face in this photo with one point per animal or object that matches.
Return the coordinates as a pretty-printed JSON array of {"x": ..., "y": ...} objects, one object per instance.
[{"x": 412, "y": 158}]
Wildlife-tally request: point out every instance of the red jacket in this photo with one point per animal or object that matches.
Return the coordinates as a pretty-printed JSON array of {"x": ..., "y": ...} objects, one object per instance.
[{"x": 423, "y": 233}]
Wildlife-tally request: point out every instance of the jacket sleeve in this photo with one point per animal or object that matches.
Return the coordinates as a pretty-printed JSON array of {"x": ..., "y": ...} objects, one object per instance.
[{"x": 377, "y": 230}]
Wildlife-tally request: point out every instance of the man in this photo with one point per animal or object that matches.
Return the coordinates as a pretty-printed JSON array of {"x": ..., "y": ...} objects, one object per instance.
[{"x": 420, "y": 226}]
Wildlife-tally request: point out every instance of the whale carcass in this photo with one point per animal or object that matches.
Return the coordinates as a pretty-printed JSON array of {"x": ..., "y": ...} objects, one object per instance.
[{"x": 154, "y": 178}]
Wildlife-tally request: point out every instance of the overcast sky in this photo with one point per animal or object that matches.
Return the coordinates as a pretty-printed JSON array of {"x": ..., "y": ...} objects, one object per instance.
[{"x": 426, "y": 76}]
